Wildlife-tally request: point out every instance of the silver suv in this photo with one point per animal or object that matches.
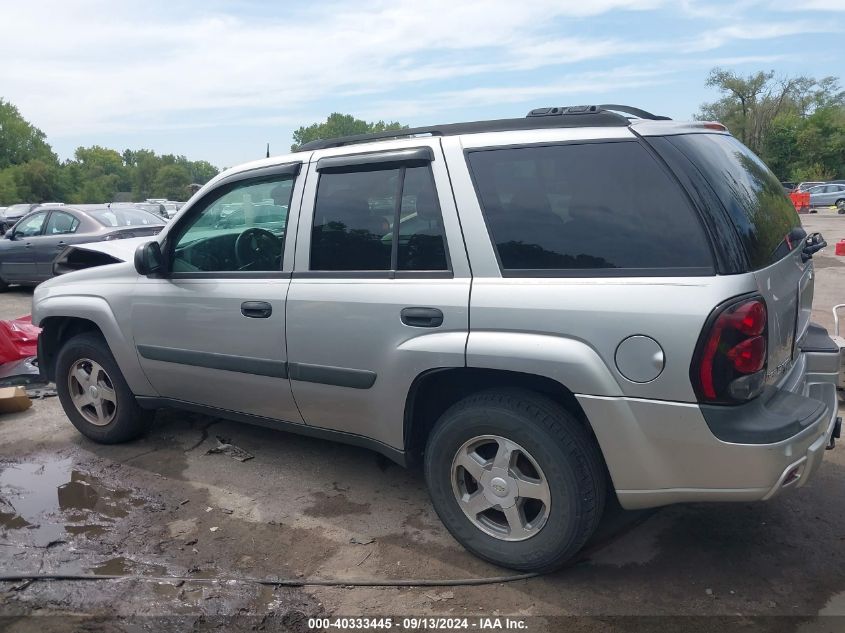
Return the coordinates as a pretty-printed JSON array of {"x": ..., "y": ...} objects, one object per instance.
[{"x": 541, "y": 312}]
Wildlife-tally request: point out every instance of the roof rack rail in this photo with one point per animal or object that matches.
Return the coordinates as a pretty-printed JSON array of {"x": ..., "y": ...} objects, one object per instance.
[
  {"x": 593, "y": 109},
  {"x": 592, "y": 118},
  {"x": 637, "y": 112}
]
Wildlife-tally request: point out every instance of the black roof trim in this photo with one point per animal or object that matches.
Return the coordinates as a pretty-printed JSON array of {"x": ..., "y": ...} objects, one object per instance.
[{"x": 594, "y": 118}]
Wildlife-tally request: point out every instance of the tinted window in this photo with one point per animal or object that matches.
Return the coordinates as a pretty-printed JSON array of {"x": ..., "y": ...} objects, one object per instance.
[
  {"x": 30, "y": 225},
  {"x": 752, "y": 195},
  {"x": 422, "y": 245},
  {"x": 243, "y": 229},
  {"x": 122, "y": 216},
  {"x": 61, "y": 223},
  {"x": 355, "y": 221},
  {"x": 589, "y": 206}
]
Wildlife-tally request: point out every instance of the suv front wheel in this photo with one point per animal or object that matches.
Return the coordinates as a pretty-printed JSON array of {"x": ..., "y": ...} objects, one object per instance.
[
  {"x": 95, "y": 395},
  {"x": 516, "y": 479}
]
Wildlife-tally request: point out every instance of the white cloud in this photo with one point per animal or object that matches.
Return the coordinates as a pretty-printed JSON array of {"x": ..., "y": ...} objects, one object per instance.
[
  {"x": 98, "y": 66},
  {"x": 808, "y": 5},
  {"x": 754, "y": 29}
]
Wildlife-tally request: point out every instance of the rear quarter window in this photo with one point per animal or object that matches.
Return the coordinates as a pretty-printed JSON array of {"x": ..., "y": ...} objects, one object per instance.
[
  {"x": 587, "y": 209},
  {"x": 753, "y": 197}
]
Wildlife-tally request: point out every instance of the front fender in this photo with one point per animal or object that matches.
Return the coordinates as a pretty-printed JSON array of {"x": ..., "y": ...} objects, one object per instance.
[{"x": 98, "y": 311}]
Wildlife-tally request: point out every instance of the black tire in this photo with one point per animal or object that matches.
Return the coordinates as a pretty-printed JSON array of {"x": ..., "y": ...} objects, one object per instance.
[
  {"x": 560, "y": 445},
  {"x": 839, "y": 202},
  {"x": 3, "y": 285},
  {"x": 129, "y": 420}
]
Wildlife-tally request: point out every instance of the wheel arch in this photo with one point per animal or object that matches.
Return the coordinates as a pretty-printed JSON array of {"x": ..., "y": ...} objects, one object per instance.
[
  {"x": 64, "y": 317},
  {"x": 54, "y": 331},
  {"x": 434, "y": 391}
]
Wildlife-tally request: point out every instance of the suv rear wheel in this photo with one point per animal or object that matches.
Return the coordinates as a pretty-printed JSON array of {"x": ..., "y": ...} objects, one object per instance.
[
  {"x": 95, "y": 395},
  {"x": 516, "y": 479}
]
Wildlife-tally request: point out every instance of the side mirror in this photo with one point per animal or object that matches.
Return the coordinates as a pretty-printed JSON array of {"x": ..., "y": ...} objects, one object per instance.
[
  {"x": 148, "y": 259},
  {"x": 10, "y": 234}
]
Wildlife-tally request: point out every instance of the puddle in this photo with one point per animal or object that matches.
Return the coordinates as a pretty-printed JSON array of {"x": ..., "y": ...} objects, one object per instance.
[
  {"x": 86, "y": 530},
  {"x": 122, "y": 566},
  {"x": 835, "y": 606},
  {"x": 45, "y": 501},
  {"x": 204, "y": 574}
]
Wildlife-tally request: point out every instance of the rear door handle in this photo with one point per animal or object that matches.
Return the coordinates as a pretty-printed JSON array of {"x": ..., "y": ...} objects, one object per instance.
[
  {"x": 256, "y": 309},
  {"x": 422, "y": 317}
]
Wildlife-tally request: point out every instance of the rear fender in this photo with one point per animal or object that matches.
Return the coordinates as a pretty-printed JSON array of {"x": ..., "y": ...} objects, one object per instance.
[{"x": 565, "y": 360}]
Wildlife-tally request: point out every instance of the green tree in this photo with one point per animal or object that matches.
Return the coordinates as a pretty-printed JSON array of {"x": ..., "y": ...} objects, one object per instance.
[
  {"x": 143, "y": 166},
  {"x": 36, "y": 181},
  {"x": 20, "y": 141},
  {"x": 821, "y": 144},
  {"x": 8, "y": 188},
  {"x": 30, "y": 171},
  {"x": 795, "y": 124},
  {"x": 202, "y": 171},
  {"x": 172, "y": 182},
  {"x": 98, "y": 174},
  {"x": 340, "y": 125}
]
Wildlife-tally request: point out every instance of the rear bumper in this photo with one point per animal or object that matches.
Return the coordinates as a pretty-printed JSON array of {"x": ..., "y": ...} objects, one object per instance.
[{"x": 661, "y": 452}]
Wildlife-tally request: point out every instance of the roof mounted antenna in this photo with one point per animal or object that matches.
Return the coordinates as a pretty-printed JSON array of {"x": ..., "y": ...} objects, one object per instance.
[{"x": 268, "y": 151}]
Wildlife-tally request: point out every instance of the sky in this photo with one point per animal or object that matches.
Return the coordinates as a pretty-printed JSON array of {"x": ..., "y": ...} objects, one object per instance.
[{"x": 217, "y": 79}]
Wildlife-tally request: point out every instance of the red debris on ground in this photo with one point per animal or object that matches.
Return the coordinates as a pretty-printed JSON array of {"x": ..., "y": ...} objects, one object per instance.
[{"x": 18, "y": 339}]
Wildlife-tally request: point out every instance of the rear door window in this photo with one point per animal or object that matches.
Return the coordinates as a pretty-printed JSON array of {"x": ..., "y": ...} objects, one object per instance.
[
  {"x": 594, "y": 208},
  {"x": 756, "y": 203},
  {"x": 61, "y": 223},
  {"x": 379, "y": 220}
]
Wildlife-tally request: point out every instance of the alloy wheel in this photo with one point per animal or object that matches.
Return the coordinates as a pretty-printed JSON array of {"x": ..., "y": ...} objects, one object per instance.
[
  {"x": 92, "y": 392},
  {"x": 501, "y": 488}
]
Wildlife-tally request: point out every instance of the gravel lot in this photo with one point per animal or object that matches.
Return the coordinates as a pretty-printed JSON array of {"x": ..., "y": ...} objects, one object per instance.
[{"x": 303, "y": 509}]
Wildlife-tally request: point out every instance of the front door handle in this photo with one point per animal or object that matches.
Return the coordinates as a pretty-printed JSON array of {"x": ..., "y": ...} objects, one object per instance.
[
  {"x": 422, "y": 317},
  {"x": 256, "y": 309}
]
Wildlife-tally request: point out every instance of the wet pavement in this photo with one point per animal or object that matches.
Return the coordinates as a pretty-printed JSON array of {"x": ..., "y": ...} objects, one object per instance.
[{"x": 189, "y": 532}]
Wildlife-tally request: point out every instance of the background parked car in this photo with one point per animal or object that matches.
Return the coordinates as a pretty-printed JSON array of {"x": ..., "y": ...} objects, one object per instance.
[
  {"x": 172, "y": 207},
  {"x": 827, "y": 195},
  {"x": 156, "y": 208},
  {"x": 806, "y": 186},
  {"x": 27, "y": 253},
  {"x": 14, "y": 213}
]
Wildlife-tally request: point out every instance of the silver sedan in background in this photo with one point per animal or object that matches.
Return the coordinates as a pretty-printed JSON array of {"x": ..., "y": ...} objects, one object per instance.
[
  {"x": 827, "y": 195},
  {"x": 29, "y": 247}
]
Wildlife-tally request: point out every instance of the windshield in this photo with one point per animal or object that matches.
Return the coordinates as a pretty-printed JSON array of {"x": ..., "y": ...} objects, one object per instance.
[
  {"x": 752, "y": 195},
  {"x": 125, "y": 217},
  {"x": 16, "y": 209}
]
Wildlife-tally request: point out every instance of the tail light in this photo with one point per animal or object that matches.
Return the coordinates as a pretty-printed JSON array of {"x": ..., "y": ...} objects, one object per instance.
[{"x": 729, "y": 365}]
